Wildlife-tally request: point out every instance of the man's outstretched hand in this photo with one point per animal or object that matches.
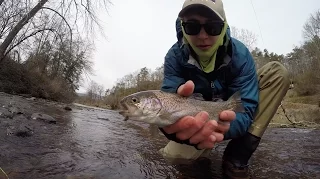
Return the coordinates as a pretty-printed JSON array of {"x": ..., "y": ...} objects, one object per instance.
[{"x": 199, "y": 130}]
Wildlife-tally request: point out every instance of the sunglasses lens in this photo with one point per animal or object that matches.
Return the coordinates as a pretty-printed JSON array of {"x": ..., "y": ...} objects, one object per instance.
[
  {"x": 213, "y": 29},
  {"x": 192, "y": 28}
]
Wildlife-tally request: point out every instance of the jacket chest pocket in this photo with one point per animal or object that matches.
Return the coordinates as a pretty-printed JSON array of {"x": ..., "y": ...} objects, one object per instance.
[{"x": 211, "y": 86}]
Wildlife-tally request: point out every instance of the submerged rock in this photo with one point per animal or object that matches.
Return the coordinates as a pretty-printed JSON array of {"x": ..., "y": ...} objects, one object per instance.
[
  {"x": 24, "y": 130},
  {"x": 15, "y": 110},
  {"x": 67, "y": 108},
  {"x": 20, "y": 127},
  {"x": 44, "y": 117},
  {"x": 4, "y": 113}
]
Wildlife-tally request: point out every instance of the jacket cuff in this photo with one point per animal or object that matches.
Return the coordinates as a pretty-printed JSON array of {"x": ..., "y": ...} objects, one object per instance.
[{"x": 173, "y": 137}]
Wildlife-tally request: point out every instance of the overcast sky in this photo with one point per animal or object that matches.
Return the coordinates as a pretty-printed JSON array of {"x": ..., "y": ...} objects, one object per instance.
[{"x": 140, "y": 32}]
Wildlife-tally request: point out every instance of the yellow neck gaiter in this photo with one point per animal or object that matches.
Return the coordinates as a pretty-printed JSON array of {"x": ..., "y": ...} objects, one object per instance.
[{"x": 207, "y": 58}]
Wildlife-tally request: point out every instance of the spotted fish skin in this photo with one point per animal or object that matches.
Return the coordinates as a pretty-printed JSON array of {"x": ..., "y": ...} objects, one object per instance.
[{"x": 163, "y": 108}]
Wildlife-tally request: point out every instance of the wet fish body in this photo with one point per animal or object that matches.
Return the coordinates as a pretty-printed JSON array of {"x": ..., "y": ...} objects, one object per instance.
[{"x": 163, "y": 108}]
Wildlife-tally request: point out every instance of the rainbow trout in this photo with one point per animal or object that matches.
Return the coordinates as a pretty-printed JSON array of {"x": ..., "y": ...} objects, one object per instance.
[{"x": 162, "y": 108}]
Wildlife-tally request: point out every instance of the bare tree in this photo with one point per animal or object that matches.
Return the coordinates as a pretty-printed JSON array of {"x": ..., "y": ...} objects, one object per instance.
[
  {"x": 92, "y": 90},
  {"x": 100, "y": 91},
  {"x": 311, "y": 28},
  {"x": 245, "y": 36},
  {"x": 311, "y": 32},
  {"x": 12, "y": 34},
  {"x": 34, "y": 17},
  {"x": 303, "y": 62}
]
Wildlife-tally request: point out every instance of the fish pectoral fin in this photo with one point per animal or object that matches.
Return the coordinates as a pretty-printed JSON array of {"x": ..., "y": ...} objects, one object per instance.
[
  {"x": 173, "y": 116},
  {"x": 164, "y": 116}
]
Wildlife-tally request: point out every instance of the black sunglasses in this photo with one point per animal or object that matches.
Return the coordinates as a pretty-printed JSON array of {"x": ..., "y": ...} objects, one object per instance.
[{"x": 211, "y": 28}]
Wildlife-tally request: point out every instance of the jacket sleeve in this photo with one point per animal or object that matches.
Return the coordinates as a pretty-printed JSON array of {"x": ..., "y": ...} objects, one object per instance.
[
  {"x": 172, "y": 71},
  {"x": 247, "y": 83}
]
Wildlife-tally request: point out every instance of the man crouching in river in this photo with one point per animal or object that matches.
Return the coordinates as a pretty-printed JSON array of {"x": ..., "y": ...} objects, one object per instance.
[{"x": 207, "y": 60}]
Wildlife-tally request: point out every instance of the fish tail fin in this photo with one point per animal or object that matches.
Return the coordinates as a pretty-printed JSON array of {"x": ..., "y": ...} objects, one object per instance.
[{"x": 236, "y": 103}]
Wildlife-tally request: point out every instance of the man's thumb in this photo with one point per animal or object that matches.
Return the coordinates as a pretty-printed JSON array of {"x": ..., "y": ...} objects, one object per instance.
[{"x": 186, "y": 89}]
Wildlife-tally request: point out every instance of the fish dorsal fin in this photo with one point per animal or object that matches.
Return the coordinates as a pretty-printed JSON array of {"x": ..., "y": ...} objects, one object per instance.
[
  {"x": 236, "y": 102},
  {"x": 236, "y": 96},
  {"x": 197, "y": 96}
]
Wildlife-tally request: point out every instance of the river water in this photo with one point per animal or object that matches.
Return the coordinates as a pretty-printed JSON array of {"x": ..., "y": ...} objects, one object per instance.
[{"x": 96, "y": 143}]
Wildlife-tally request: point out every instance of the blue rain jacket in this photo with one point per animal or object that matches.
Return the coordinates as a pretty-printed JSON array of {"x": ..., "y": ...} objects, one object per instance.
[{"x": 234, "y": 71}]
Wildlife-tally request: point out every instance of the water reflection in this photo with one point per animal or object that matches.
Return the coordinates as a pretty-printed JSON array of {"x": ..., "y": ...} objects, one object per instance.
[{"x": 114, "y": 148}]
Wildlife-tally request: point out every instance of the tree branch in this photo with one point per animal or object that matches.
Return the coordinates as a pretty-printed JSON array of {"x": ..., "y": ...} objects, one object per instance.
[
  {"x": 63, "y": 20},
  {"x": 18, "y": 27},
  {"x": 284, "y": 112},
  {"x": 30, "y": 35}
]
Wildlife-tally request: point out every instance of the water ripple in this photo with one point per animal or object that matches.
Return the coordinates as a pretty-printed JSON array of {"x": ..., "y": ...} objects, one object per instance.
[{"x": 84, "y": 145}]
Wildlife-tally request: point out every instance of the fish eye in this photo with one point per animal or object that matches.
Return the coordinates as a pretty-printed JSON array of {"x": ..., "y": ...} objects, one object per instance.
[{"x": 134, "y": 100}]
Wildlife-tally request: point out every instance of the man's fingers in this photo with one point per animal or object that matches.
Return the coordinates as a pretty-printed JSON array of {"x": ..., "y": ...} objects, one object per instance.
[
  {"x": 184, "y": 123},
  {"x": 186, "y": 89},
  {"x": 219, "y": 136},
  {"x": 203, "y": 134},
  {"x": 197, "y": 123},
  {"x": 223, "y": 126},
  {"x": 227, "y": 116},
  {"x": 208, "y": 144},
  {"x": 211, "y": 140}
]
